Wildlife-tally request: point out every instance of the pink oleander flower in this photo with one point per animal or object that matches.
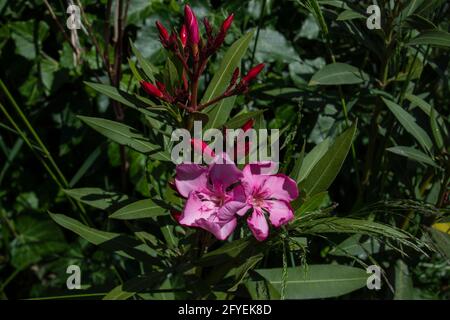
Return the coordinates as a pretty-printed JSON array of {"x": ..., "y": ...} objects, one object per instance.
[
  {"x": 267, "y": 194},
  {"x": 213, "y": 195}
]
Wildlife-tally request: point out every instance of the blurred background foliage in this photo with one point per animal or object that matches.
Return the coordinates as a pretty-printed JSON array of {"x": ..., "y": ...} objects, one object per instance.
[{"x": 44, "y": 66}]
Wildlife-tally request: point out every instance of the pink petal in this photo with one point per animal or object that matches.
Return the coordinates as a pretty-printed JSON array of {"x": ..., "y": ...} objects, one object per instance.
[
  {"x": 254, "y": 177},
  {"x": 223, "y": 171},
  {"x": 244, "y": 210},
  {"x": 258, "y": 225},
  {"x": 197, "y": 207},
  {"x": 280, "y": 212},
  {"x": 219, "y": 230},
  {"x": 190, "y": 177},
  {"x": 281, "y": 187},
  {"x": 228, "y": 210},
  {"x": 238, "y": 193}
]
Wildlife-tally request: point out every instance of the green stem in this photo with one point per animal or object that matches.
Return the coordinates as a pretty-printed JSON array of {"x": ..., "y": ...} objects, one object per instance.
[{"x": 59, "y": 178}]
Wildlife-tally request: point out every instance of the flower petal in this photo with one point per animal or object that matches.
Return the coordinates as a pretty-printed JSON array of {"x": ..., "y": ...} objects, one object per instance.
[
  {"x": 281, "y": 187},
  {"x": 229, "y": 210},
  {"x": 280, "y": 212},
  {"x": 223, "y": 171},
  {"x": 197, "y": 206},
  {"x": 258, "y": 225},
  {"x": 190, "y": 177},
  {"x": 219, "y": 230}
]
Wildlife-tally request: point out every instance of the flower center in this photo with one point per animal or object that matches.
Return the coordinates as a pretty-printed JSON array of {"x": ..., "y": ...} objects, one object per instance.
[{"x": 257, "y": 200}]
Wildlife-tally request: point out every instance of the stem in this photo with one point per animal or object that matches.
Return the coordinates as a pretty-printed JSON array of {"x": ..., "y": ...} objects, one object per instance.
[
  {"x": 60, "y": 180},
  {"x": 213, "y": 101},
  {"x": 344, "y": 108},
  {"x": 261, "y": 16}
]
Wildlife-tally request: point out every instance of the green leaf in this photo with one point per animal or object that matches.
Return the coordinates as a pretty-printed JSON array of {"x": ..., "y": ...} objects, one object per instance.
[
  {"x": 337, "y": 74},
  {"x": 92, "y": 235},
  {"x": 138, "y": 210},
  {"x": 403, "y": 282},
  {"x": 409, "y": 123},
  {"x": 426, "y": 108},
  {"x": 146, "y": 67},
  {"x": 219, "y": 113},
  {"x": 241, "y": 119},
  {"x": 353, "y": 226},
  {"x": 442, "y": 241},
  {"x": 122, "y": 134},
  {"x": 437, "y": 38},
  {"x": 413, "y": 154},
  {"x": 295, "y": 173},
  {"x": 133, "y": 101},
  {"x": 98, "y": 198},
  {"x": 349, "y": 15},
  {"x": 437, "y": 135},
  {"x": 328, "y": 167},
  {"x": 318, "y": 281},
  {"x": 122, "y": 245},
  {"x": 230, "y": 250},
  {"x": 355, "y": 247},
  {"x": 133, "y": 286},
  {"x": 311, "y": 203},
  {"x": 312, "y": 158},
  {"x": 36, "y": 239}
]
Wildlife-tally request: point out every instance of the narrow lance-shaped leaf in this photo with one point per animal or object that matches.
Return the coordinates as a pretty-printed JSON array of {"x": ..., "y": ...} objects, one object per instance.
[
  {"x": 312, "y": 158},
  {"x": 122, "y": 245},
  {"x": 413, "y": 154},
  {"x": 337, "y": 74},
  {"x": 318, "y": 281},
  {"x": 409, "y": 124},
  {"x": 403, "y": 282},
  {"x": 436, "y": 130},
  {"x": 436, "y": 38},
  {"x": 218, "y": 113},
  {"x": 97, "y": 198},
  {"x": 124, "y": 135},
  {"x": 133, "y": 101},
  {"x": 138, "y": 210},
  {"x": 328, "y": 167},
  {"x": 426, "y": 108},
  {"x": 146, "y": 66}
]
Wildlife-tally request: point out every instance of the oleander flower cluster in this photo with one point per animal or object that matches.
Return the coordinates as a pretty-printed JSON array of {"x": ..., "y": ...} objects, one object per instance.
[
  {"x": 193, "y": 52},
  {"x": 219, "y": 194}
]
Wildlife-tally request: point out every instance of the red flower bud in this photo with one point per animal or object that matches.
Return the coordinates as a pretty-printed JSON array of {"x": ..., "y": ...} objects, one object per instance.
[
  {"x": 227, "y": 23},
  {"x": 163, "y": 33},
  {"x": 151, "y": 89},
  {"x": 248, "y": 125},
  {"x": 253, "y": 73},
  {"x": 183, "y": 35},
  {"x": 176, "y": 215},
  {"x": 191, "y": 25},
  {"x": 234, "y": 77}
]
